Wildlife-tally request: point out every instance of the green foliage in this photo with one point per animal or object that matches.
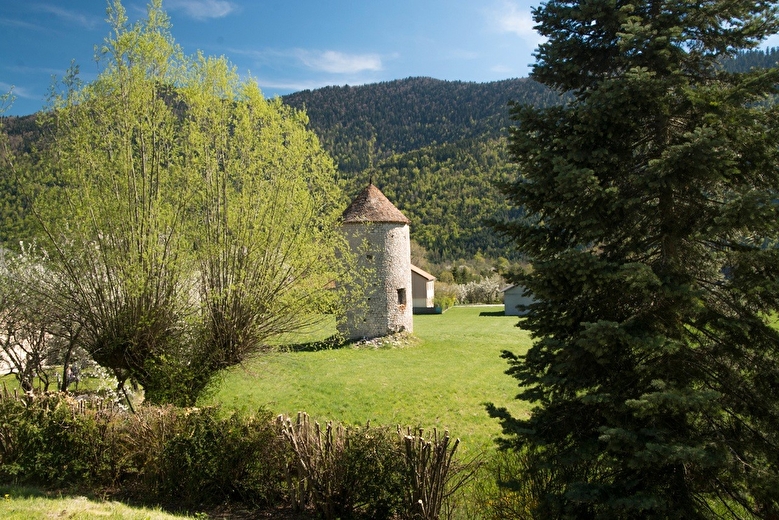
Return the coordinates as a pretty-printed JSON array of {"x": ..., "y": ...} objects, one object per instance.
[
  {"x": 193, "y": 220},
  {"x": 202, "y": 458},
  {"x": 448, "y": 192},
  {"x": 210, "y": 459},
  {"x": 187, "y": 457},
  {"x": 44, "y": 441},
  {"x": 650, "y": 199},
  {"x": 362, "y": 125},
  {"x": 445, "y": 295}
]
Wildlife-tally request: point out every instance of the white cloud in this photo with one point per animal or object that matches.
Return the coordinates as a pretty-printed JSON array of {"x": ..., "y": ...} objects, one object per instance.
[
  {"x": 338, "y": 62},
  {"x": 332, "y": 62},
  {"x": 501, "y": 69},
  {"x": 510, "y": 17},
  {"x": 202, "y": 9},
  {"x": 89, "y": 22}
]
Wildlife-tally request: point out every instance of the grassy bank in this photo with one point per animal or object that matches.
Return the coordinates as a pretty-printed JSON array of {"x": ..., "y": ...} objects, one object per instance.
[
  {"x": 18, "y": 503},
  {"x": 442, "y": 380}
]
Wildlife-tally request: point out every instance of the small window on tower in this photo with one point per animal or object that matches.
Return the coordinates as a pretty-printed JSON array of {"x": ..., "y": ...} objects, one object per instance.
[{"x": 401, "y": 296}]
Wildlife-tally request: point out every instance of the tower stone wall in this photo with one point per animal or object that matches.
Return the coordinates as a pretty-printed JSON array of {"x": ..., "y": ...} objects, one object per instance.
[{"x": 378, "y": 235}]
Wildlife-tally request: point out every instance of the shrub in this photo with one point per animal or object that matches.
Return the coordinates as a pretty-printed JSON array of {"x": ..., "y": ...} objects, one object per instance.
[
  {"x": 49, "y": 440},
  {"x": 197, "y": 457},
  {"x": 372, "y": 472},
  {"x": 341, "y": 472},
  {"x": 487, "y": 290},
  {"x": 432, "y": 475},
  {"x": 202, "y": 457},
  {"x": 445, "y": 295}
]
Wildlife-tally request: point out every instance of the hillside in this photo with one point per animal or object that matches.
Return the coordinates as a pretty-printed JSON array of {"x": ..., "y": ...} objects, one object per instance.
[
  {"x": 435, "y": 148},
  {"x": 361, "y": 125}
]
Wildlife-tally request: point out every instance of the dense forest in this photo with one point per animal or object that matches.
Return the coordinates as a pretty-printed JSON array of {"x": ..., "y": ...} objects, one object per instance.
[
  {"x": 747, "y": 60},
  {"x": 436, "y": 148},
  {"x": 361, "y": 125}
]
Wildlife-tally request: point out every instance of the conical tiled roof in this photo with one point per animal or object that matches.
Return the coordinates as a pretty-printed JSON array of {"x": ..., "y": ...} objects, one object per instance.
[{"x": 372, "y": 206}]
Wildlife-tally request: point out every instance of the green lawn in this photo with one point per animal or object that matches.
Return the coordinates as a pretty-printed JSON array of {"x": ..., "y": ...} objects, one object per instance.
[{"x": 441, "y": 381}]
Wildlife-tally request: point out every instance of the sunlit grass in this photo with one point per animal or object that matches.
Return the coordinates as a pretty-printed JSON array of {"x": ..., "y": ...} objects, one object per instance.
[{"x": 442, "y": 380}]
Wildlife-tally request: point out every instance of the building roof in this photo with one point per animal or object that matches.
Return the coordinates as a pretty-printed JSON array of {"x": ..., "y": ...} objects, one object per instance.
[
  {"x": 421, "y": 272},
  {"x": 370, "y": 205},
  {"x": 513, "y": 288}
]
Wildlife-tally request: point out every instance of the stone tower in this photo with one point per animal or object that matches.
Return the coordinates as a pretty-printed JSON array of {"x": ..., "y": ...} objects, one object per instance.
[{"x": 378, "y": 235}]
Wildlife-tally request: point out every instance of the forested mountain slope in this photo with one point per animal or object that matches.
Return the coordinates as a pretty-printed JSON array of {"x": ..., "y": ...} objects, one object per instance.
[
  {"x": 434, "y": 147},
  {"x": 747, "y": 60},
  {"x": 447, "y": 191},
  {"x": 360, "y": 125}
]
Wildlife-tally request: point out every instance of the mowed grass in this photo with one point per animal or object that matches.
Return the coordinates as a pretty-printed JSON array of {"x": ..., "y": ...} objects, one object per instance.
[{"x": 442, "y": 381}]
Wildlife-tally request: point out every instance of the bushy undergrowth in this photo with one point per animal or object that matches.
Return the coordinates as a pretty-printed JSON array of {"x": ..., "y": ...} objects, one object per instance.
[
  {"x": 485, "y": 290},
  {"x": 199, "y": 458}
]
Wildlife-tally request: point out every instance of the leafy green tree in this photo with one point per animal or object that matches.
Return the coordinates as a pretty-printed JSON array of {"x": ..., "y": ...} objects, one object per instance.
[
  {"x": 115, "y": 226},
  {"x": 194, "y": 220},
  {"x": 651, "y": 222},
  {"x": 266, "y": 211}
]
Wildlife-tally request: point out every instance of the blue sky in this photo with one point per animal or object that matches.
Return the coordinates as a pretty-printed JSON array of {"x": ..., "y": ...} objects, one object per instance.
[{"x": 287, "y": 45}]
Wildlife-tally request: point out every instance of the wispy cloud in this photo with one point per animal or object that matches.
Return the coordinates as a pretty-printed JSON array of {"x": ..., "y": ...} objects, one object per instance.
[
  {"x": 338, "y": 62},
  {"x": 332, "y": 62},
  {"x": 25, "y": 69},
  {"x": 18, "y": 23},
  {"x": 501, "y": 69},
  {"x": 202, "y": 9},
  {"x": 74, "y": 17},
  {"x": 292, "y": 85},
  {"x": 19, "y": 92},
  {"x": 509, "y": 17}
]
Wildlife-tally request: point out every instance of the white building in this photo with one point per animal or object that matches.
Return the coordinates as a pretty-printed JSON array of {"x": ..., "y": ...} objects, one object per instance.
[
  {"x": 513, "y": 296},
  {"x": 422, "y": 290}
]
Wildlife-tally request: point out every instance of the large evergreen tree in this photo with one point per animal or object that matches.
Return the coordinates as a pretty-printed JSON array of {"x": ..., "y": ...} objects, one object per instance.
[{"x": 651, "y": 220}]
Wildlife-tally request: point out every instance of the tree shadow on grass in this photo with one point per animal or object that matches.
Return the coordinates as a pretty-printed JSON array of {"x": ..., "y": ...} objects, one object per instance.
[
  {"x": 491, "y": 314},
  {"x": 333, "y": 342}
]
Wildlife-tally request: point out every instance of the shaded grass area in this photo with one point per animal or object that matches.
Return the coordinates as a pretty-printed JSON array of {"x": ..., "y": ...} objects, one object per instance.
[
  {"x": 22, "y": 503},
  {"x": 442, "y": 380}
]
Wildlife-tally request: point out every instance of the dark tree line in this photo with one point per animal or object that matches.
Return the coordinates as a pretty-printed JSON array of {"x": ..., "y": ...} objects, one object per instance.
[{"x": 361, "y": 125}]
